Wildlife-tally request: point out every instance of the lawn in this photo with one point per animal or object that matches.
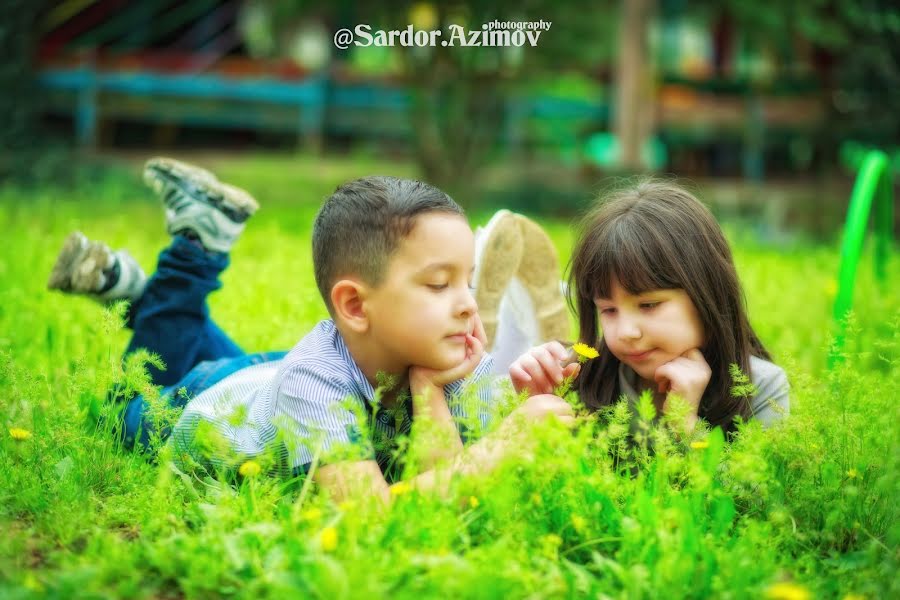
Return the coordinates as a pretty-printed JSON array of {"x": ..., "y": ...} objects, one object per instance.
[{"x": 805, "y": 510}]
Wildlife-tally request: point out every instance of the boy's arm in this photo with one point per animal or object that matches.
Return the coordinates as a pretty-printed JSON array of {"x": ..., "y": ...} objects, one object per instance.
[
  {"x": 430, "y": 410},
  {"x": 430, "y": 400},
  {"x": 364, "y": 478}
]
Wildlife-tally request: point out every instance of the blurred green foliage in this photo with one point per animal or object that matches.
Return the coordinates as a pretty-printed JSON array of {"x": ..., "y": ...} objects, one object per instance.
[
  {"x": 809, "y": 506},
  {"x": 21, "y": 139}
]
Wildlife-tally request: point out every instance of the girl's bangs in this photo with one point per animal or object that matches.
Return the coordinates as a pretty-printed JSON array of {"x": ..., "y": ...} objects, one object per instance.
[{"x": 640, "y": 261}]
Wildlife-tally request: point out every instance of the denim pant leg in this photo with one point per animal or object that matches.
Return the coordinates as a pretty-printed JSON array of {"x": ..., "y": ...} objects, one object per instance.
[
  {"x": 172, "y": 319},
  {"x": 137, "y": 426}
]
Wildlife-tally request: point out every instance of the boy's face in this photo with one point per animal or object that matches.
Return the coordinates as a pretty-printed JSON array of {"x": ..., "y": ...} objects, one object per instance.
[{"x": 420, "y": 313}]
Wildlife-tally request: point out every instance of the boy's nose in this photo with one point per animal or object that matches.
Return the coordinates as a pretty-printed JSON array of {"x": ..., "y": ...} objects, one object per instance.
[{"x": 467, "y": 305}]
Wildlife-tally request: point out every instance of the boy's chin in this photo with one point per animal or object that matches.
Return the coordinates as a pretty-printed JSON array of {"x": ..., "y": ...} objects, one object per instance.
[{"x": 445, "y": 361}]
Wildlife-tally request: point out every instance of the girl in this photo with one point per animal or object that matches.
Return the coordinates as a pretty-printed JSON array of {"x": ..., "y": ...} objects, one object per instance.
[{"x": 655, "y": 289}]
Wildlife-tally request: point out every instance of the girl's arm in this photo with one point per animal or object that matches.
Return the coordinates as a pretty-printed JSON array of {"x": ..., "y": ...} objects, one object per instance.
[
  {"x": 687, "y": 376},
  {"x": 539, "y": 370}
]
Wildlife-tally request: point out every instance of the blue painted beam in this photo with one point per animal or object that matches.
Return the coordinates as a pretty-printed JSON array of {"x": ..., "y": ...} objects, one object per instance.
[{"x": 310, "y": 92}]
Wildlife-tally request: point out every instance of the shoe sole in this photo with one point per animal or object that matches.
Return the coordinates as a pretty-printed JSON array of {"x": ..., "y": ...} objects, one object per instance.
[
  {"x": 164, "y": 174},
  {"x": 61, "y": 275},
  {"x": 87, "y": 275},
  {"x": 500, "y": 257},
  {"x": 540, "y": 274}
]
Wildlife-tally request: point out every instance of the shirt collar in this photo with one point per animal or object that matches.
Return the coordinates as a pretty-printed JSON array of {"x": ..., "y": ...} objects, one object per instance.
[{"x": 359, "y": 378}]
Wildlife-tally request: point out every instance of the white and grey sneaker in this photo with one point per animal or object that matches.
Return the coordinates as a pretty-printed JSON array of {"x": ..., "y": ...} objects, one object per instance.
[
  {"x": 91, "y": 268},
  {"x": 198, "y": 202}
]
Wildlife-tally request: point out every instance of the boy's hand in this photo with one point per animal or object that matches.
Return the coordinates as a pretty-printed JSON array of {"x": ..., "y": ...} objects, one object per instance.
[
  {"x": 475, "y": 343},
  {"x": 687, "y": 375},
  {"x": 537, "y": 408},
  {"x": 539, "y": 370}
]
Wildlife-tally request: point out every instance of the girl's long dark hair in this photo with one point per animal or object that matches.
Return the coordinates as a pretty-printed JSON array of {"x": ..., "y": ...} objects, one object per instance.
[{"x": 656, "y": 235}]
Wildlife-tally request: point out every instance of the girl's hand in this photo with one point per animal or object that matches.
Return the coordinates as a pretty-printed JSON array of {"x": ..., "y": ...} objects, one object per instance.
[
  {"x": 475, "y": 343},
  {"x": 539, "y": 370},
  {"x": 688, "y": 375}
]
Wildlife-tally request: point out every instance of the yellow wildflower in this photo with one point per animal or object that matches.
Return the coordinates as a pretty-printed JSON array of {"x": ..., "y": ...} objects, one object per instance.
[
  {"x": 328, "y": 538},
  {"x": 400, "y": 488},
  {"x": 311, "y": 514},
  {"x": 700, "y": 444},
  {"x": 550, "y": 544},
  {"x": 473, "y": 502},
  {"x": 585, "y": 352},
  {"x": 786, "y": 590},
  {"x": 579, "y": 523},
  {"x": 852, "y": 473},
  {"x": 346, "y": 506},
  {"x": 250, "y": 468},
  {"x": 19, "y": 434}
]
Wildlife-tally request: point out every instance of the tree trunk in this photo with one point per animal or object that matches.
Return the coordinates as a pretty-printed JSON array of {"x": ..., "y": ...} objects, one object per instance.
[{"x": 634, "y": 120}]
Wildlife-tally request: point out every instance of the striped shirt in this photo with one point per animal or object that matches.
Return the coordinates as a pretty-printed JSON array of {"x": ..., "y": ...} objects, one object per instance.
[{"x": 315, "y": 402}]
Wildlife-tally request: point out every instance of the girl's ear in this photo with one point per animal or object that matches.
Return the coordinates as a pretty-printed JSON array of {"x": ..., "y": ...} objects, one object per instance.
[{"x": 347, "y": 298}]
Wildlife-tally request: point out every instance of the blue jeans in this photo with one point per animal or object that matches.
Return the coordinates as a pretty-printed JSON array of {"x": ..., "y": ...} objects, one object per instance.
[{"x": 172, "y": 320}]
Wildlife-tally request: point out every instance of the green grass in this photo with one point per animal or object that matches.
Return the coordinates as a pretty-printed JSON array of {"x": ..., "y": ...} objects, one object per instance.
[{"x": 812, "y": 503}]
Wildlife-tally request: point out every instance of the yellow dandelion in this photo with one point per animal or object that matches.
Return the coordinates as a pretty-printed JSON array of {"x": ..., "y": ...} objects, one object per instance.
[
  {"x": 585, "y": 352},
  {"x": 19, "y": 434},
  {"x": 579, "y": 523},
  {"x": 328, "y": 538},
  {"x": 473, "y": 502},
  {"x": 852, "y": 473},
  {"x": 311, "y": 514},
  {"x": 700, "y": 444},
  {"x": 786, "y": 590},
  {"x": 400, "y": 488},
  {"x": 250, "y": 468}
]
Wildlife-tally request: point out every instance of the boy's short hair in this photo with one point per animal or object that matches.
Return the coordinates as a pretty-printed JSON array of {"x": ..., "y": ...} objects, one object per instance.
[{"x": 361, "y": 224}]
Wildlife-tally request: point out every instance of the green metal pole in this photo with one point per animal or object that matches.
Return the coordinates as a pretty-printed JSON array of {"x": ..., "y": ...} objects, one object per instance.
[{"x": 873, "y": 184}]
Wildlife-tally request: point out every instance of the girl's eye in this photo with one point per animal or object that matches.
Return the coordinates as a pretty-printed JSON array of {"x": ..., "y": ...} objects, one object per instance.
[
  {"x": 649, "y": 305},
  {"x": 607, "y": 311},
  {"x": 437, "y": 286}
]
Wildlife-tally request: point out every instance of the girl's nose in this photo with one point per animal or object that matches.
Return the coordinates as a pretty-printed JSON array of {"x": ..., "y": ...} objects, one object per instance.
[{"x": 629, "y": 329}]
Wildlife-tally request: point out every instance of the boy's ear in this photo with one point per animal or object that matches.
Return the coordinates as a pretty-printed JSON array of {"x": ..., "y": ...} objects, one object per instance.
[{"x": 347, "y": 298}]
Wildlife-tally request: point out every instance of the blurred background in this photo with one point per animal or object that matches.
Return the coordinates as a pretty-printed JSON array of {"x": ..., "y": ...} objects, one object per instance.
[{"x": 765, "y": 107}]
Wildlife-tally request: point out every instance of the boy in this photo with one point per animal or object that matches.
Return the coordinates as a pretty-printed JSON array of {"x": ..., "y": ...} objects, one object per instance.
[{"x": 393, "y": 260}]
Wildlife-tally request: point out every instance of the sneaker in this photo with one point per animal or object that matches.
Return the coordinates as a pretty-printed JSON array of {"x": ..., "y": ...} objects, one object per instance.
[
  {"x": 539, "y": 272},
  {"x": 197, "y": 202},
  {"x": 498, "y": 252},
  {"x": 87, "y": 267}
]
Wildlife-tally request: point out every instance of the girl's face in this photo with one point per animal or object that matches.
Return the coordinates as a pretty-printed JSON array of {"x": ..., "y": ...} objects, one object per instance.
[{"x": 650, "y": 329}]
